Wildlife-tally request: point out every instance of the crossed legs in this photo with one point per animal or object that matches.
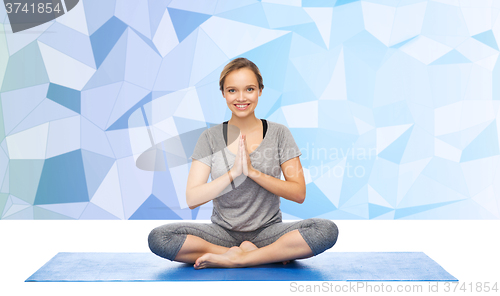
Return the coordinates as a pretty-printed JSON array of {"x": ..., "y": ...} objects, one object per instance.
[
  {"x": 290, "y": 246},
  {"x": 209, "y": 245},
  {"x": 204, "y": 254}
]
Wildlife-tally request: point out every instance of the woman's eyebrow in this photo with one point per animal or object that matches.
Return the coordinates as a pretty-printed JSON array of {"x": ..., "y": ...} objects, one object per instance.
[{"x": 245, "y": 86}]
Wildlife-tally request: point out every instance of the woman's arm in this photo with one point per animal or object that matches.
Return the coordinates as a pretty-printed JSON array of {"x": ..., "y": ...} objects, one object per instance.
[
  {"x": 294, "y": 188},
  {"x": 198, "y": 191}
]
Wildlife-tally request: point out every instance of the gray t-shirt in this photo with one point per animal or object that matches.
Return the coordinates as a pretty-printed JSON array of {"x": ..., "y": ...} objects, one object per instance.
[{"x": 249, "y": 206}]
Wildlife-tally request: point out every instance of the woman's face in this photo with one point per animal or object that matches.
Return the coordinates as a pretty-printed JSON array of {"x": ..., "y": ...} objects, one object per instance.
[{"x": 241, "y": 88}]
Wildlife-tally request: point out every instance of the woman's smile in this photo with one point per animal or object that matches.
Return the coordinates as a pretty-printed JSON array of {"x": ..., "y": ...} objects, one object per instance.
[{"x": 242, "y": 107}]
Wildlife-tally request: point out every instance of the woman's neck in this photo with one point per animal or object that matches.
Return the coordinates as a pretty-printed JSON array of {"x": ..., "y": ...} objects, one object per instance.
[{"x": 246, "y": 124}]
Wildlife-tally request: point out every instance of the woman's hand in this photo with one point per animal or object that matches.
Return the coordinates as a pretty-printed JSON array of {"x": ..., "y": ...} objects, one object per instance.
[
  {"x": 237, "y": 168},
  {"x": 242, "y": 163},
  {"x": 247, "y": 163}
]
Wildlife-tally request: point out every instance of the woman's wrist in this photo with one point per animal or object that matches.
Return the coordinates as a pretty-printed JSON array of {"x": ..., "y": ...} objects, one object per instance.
[{"x": 252, "y": 173}]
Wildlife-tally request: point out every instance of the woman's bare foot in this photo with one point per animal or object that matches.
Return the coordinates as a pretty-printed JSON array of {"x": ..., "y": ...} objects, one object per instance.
[
  {"x": 229, "y": 259},
  {"x": 248, "y": 246}
]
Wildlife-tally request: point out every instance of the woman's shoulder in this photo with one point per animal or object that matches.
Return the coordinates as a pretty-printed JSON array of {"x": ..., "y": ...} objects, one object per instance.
[
  {"x": 276, "y": 125},
  {"x": 213, "y": 129}
]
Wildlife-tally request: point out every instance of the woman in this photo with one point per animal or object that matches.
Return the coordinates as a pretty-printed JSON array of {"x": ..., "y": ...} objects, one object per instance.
[{"x": 246, "y": 228}]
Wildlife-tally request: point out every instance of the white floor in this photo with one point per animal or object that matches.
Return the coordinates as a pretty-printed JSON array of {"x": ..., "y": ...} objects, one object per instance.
[{"x": 469, "y": 250}]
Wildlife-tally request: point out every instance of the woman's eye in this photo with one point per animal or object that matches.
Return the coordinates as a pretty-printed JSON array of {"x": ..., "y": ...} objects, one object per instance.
[
  {"x": 231, "y": 90},
  {"x": 250, "y": 89}
]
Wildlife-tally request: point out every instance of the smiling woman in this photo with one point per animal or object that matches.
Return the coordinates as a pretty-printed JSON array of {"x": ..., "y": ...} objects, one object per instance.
[
  {"x": 247, "y": 227},
  {"x": 241, "y": 85}
]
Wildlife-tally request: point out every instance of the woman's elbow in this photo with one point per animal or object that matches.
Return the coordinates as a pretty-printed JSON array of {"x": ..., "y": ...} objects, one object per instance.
[
  {"x": 188, "y": 201},
  {"x": 192, "y": 207},
  {"x": 302, "y": 195},
  {"x": 301, "y": 198}
]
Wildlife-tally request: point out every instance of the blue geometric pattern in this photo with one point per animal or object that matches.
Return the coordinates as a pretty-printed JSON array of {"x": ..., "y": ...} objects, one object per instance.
[
  {"x": 394, "y": 104},
  {"x": 62, "y": 180}
]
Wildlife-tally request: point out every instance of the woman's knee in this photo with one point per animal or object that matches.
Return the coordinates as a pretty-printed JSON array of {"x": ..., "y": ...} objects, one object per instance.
[
  {"x": 165, "y": 241},
  {"x": 156, "y": 239},
  {"x": 328, "y": 229},
  {"x": 331, "y": 232}
]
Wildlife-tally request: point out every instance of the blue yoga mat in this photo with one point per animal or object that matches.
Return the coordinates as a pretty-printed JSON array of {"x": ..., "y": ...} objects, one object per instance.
[{"x": 328, "y": 266}]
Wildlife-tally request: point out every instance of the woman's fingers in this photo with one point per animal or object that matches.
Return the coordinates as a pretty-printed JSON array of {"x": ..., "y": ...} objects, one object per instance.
[
  {"x": 241, "y": 149},
  {"x": 242, "y": 146},
  {"x": 245, "y": 157},
  {"x": 237, "y": 166}
]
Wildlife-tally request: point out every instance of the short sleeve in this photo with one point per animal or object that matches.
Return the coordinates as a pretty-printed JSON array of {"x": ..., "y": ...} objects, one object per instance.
[
  {"x": 288, "y": 149},
  {"x": 203, "y": 150}
]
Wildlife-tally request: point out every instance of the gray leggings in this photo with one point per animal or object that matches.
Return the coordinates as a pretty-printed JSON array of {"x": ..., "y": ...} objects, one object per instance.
[{"x": 166, "y": 241}]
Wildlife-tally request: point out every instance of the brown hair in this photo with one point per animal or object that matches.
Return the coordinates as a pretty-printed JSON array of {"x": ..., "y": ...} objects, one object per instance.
[{"x": 237, "y": 64}]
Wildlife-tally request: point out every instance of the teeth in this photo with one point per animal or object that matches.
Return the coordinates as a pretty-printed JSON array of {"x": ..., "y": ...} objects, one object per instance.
[{"x": 241, "y": 106}]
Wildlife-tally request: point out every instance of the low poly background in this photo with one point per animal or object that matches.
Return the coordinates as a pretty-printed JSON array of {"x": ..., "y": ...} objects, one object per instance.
[{"x": 394, "y": 104}]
